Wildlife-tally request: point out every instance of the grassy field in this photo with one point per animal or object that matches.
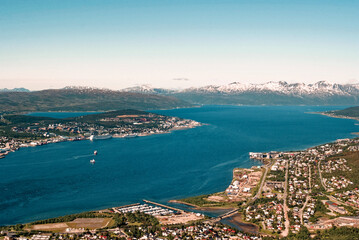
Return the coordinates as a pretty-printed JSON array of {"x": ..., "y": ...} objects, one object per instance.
[
  {"x": 202, "y": 201},
  {"x": 90, "y": 223},
  {"x": 86, "y": 223}
]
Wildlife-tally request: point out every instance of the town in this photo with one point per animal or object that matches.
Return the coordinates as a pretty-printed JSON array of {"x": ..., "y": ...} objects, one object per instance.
[
  {"x": 136, "y": 221},
  {"x": 314, "y": 189},
  {"x": 17, "y": 131},
  {"x": 310, "y": 190}
]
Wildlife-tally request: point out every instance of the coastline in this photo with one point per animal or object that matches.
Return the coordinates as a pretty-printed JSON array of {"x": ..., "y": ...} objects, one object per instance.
[
  {"x": 184, "y": 203},
  {"x": 237, "y": 222},
  {"x": 103, "y": 111},
  {"x": 335, "y": 116},
  {"x": 196, "y": 207},
  {"x": 59, "y": 139},
  {"x": 228, "y": 213}
]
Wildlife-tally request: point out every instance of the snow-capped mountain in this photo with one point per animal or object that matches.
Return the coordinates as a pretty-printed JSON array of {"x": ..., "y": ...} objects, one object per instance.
[
  {"x": 270, "y": 93},
  {"x": 148, "y": 89},
  {"x": 299, "y": 89},
  {"x": 14, "y": 90},
  {"x": 140, "y": 89}
]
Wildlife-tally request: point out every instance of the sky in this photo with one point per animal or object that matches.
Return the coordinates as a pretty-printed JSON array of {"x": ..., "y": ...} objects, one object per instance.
[{"x": 176, "y": 43}]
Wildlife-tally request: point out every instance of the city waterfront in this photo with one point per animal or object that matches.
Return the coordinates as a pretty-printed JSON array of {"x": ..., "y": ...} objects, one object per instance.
[{"x": 157, "y": 167}]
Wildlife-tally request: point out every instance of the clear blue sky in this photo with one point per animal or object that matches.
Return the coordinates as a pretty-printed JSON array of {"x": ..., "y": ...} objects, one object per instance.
[{"x": 118, "y": 43}]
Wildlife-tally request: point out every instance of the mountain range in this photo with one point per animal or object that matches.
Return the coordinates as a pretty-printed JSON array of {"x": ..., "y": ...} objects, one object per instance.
[
  {"x": 270, "y": 93},
  {"x": 146, "y": 97},
  {"x": 14, "y": 90},
  {"x": 84, "y": 99}
]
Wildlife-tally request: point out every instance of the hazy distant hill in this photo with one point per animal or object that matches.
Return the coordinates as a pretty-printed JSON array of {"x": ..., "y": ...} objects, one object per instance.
[
  {"x": 270, "y": 93},
  {"x": 84, "y": 99},
  {"x": 14, "y": 90}
]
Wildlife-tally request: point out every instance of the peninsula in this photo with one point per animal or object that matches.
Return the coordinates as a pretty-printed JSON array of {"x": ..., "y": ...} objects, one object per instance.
[{"x": 348, "y": 113}]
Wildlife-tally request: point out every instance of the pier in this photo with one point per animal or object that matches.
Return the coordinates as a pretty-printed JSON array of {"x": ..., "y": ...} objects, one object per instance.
[
  {"x": 129, "y": 205},
  {"x": 164, "y": 206}
]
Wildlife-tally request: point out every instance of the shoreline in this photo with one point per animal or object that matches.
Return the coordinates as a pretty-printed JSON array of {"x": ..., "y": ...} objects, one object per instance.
[
  {"x": 199, "y": 208},
  {"x": 237, "y": 219},
  {"x": 237, "y": 222},
  {"x": 60, "y": 139},
  {"x": 335, "y": 116},
  {"x": 103, "y": 111}
]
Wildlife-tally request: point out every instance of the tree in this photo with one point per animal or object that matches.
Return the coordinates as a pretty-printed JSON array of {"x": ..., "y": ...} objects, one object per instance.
[{"x": 303, "y": 234}]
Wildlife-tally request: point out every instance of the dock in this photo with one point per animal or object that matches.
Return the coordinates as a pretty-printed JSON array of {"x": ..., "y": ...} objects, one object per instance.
[
  {"x": 162, "y": 205},
  {"x": 129, "y": 205}
]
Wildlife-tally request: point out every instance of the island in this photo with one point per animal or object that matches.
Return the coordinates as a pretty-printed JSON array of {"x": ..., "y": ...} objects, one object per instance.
[{"x": 18, "y": 131}]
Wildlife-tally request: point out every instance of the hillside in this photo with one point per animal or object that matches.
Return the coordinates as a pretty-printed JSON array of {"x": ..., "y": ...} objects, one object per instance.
[
  {"x": 84, "y": 99},
  {"x": 352, "y": 112}
]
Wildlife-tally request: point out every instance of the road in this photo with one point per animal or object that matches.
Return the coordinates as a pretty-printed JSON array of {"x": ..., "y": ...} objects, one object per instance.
[
  {"x": 262, "y": 183},
  {"x": 320, "y": 176},
  {"x": 308, "y": 196},
  {"x": 333, "y": 199},
  {"x": 285, "y": 207},
  {"x": 258, "y": 194},
  {"x": 337, "y": 201}
]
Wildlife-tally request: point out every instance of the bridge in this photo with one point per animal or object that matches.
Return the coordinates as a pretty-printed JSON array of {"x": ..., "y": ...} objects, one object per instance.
[{"x": 223, "y": 216}]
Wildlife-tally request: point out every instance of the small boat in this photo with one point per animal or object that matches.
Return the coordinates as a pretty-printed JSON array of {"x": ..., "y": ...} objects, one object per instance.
[
  {"x": 133, "y": 135},
  {"x": 92, "y": 161},
  {"x": 95, "y": 152},
  {"x": 100, "y": 137}
]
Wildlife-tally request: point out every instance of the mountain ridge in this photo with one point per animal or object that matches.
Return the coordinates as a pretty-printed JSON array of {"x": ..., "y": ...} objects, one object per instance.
[
  {"x": 270, "y": 93},
  {"x": 14, "y": 90},
  {"x": 84, "y": 99}
]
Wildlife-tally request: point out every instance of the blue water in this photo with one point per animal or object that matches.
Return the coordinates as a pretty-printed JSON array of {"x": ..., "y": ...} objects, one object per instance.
[
  {"x": 60, "y": 114},
  {"x": 57, "y": 179}
]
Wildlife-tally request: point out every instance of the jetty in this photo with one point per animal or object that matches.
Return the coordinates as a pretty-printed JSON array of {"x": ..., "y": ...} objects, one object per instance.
[
  {"x": 129, "y": 205},
  {"x": 162, "y": 205}
]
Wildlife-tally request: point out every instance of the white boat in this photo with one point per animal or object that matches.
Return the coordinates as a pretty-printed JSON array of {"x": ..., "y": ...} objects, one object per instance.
[
  {"x": 100, "y": 137},
  {"x": 95, "y": 152},
  {"x": 133, "y": 135},
  {"x": 92, "y": 161}
]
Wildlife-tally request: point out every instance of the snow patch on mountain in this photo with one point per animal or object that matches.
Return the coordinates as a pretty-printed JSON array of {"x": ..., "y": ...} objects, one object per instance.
[{"x": 300, "y": 89}]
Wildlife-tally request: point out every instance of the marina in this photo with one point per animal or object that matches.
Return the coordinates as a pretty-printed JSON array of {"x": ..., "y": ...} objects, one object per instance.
[{"x": 145, "y": 208}]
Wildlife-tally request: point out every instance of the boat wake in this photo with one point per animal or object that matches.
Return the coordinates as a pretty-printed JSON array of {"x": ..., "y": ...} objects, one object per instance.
[{"x": 82, "y": 156}]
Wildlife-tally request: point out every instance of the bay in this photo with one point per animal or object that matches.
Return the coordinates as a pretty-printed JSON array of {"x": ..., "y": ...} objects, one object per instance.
[{"x": 58, "y": 179}]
